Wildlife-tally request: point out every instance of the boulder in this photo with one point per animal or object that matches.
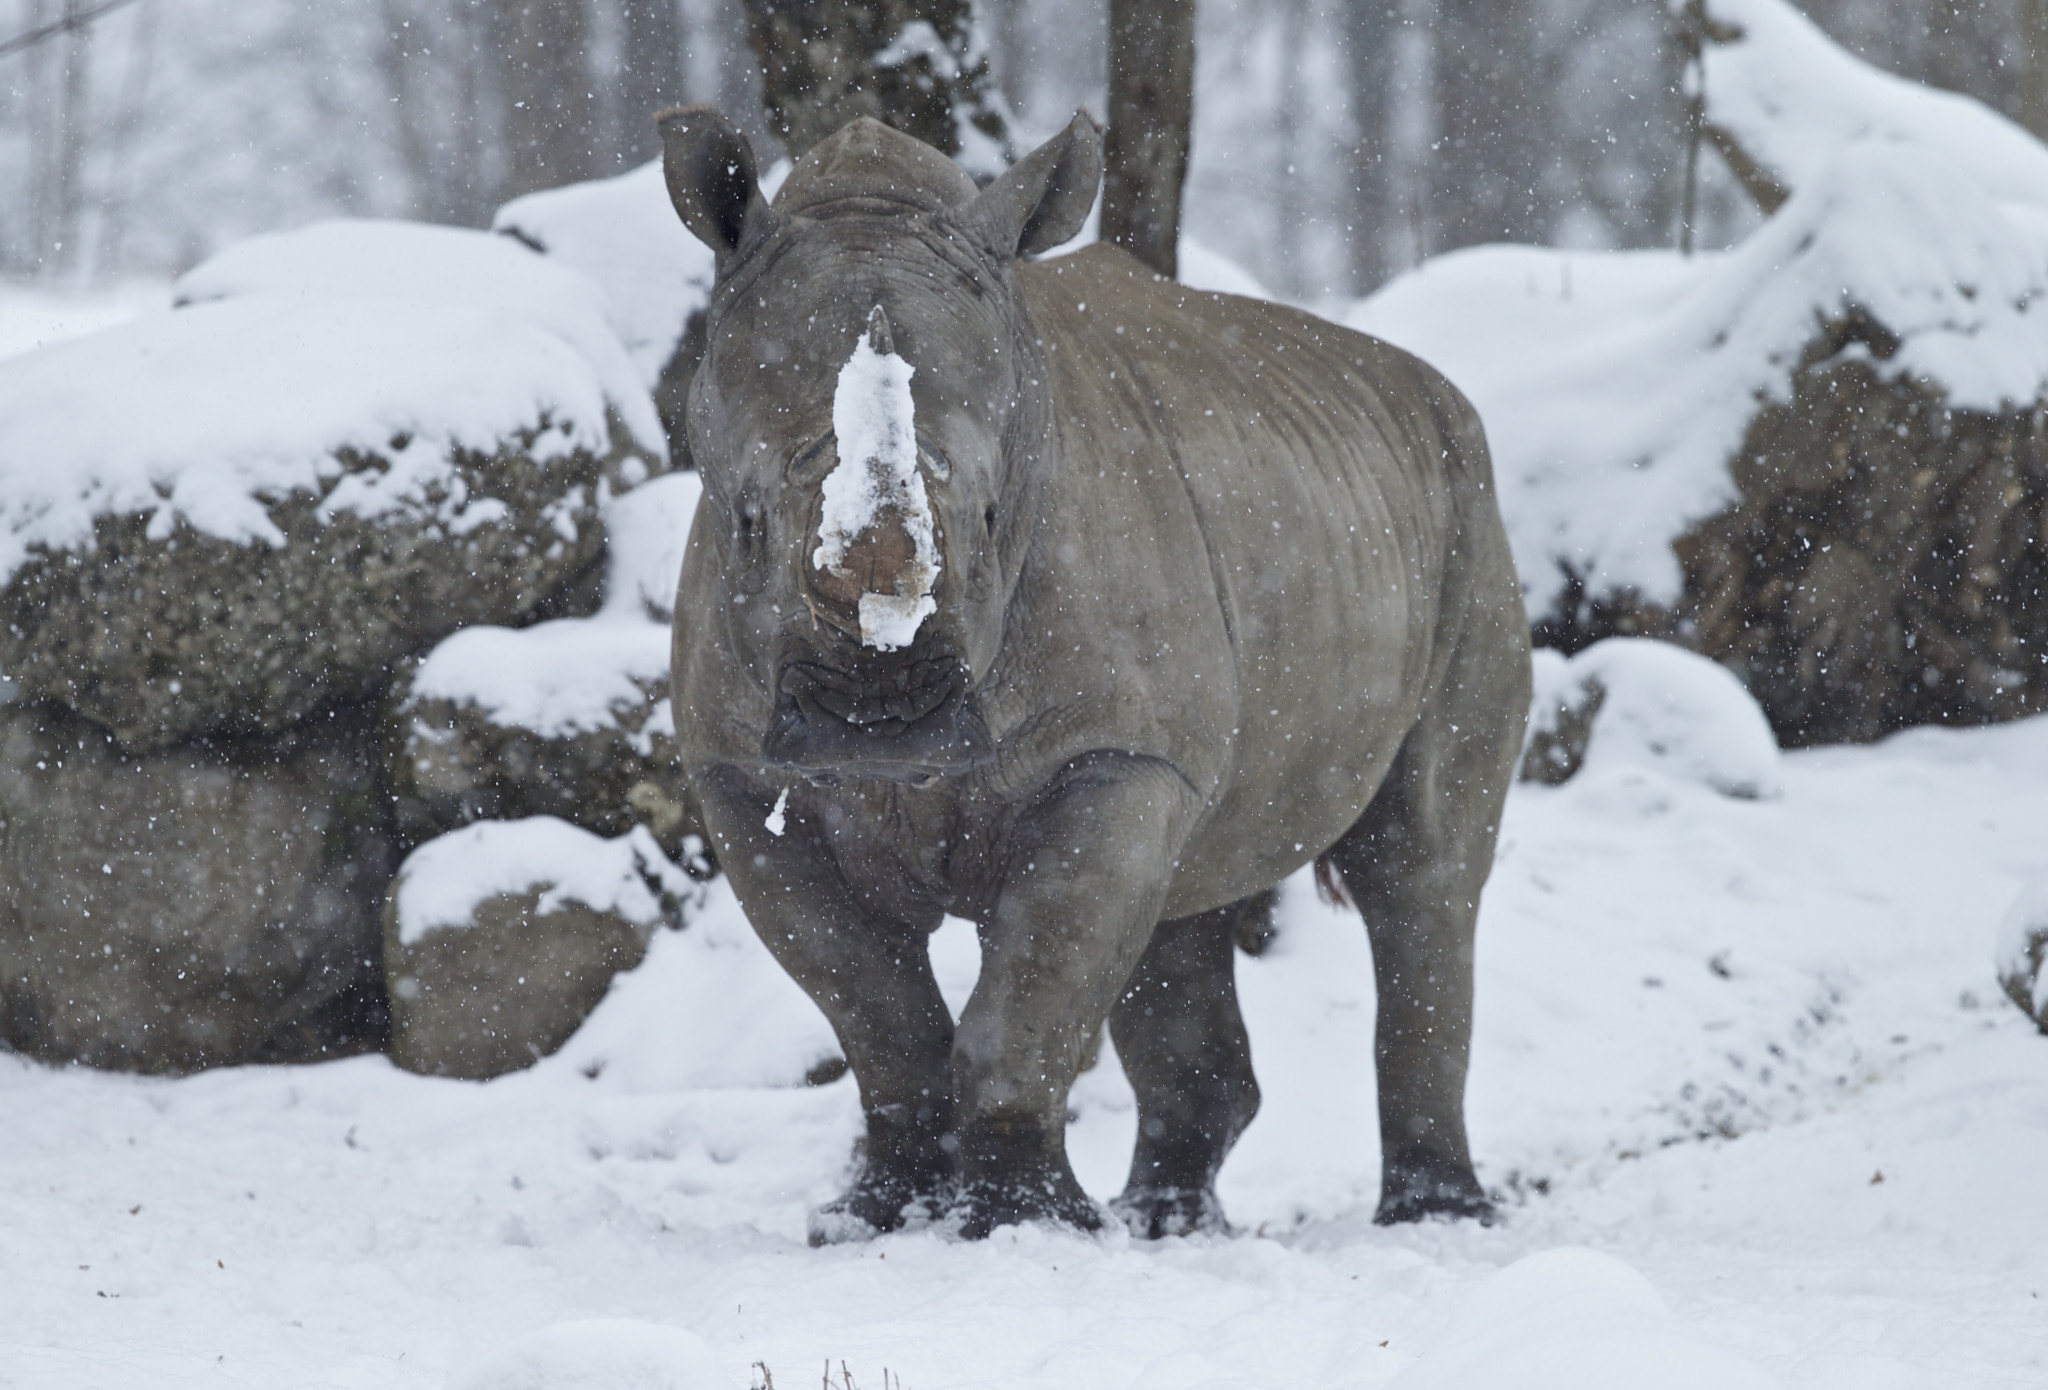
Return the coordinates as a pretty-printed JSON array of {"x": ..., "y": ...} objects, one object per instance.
[
  {"x": 219, "y": 519},
  {"x": 203, "y": 906},
  {"x": 1631, "y": 701},
  {"x": 567, "y": 718},
  {"x": 500, "y": 938},
  {"x": 2023, "y": 951}
]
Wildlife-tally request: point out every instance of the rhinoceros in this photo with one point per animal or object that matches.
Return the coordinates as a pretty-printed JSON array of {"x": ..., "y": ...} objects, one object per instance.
[{"x": 1063, "y": 598}]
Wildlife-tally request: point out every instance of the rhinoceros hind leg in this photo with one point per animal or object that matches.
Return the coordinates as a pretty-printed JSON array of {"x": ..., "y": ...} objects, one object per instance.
[
  {"x": 1182, "y": 1041},
  {"x": 1421, "y": 1184},
  {"x": 1415, "y": 863},
  {"x": 1034, "y": 1184}
]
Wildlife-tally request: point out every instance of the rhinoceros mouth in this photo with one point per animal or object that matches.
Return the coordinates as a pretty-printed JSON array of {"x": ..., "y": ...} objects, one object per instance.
[{"x": 903, "y": 721}]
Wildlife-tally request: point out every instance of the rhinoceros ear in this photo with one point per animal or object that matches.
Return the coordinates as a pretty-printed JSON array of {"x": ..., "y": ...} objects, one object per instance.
[
  {"x": 711, "y": 176},
  {"x": 1044, "y": 197}
]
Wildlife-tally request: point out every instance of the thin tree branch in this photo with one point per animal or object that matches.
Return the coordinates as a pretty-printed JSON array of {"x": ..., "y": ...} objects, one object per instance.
[{"x": 77, "y": 19}]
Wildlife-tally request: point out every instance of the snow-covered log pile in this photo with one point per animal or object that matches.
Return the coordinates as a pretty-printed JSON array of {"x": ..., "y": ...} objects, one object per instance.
[
  {"x": 224, "y": 532},
  {"x": 1818, "y": 457}
]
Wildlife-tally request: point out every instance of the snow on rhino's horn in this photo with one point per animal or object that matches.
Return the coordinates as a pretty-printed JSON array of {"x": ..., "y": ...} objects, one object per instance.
[{"x": 876, "y": 481}]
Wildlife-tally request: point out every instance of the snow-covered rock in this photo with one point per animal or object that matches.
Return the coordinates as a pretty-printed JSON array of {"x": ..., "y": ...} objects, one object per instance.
[
  {"x": 501, "y": 937},
  {"x": 2023, "y": 950},
  {"x": 624, "y": 234},
  {"x": 363, "y": 259},
  {"x": 1574, "y": 1319},
  {"x": 1633, "y": 701},
  {"x": 600, "y": 1354},
  {"x": 220, "y": 518},
  {"x": 190, "y": 908},
  {"x": 567, "y": 718}
]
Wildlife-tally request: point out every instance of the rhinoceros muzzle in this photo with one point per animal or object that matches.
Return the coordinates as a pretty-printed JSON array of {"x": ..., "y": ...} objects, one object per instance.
[{"x": 909, "y": 719}]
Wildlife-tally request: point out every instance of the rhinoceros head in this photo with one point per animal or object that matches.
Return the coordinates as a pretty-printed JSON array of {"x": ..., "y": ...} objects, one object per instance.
[{"x": 871, "y": 424}]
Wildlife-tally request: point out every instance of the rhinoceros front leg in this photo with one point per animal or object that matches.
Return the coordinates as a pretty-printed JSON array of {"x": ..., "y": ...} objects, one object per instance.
[
  {"x": 870, "y": 974},
  {"x": 1183, "y": 1044},
  {"x": 1086, "y": 873}
]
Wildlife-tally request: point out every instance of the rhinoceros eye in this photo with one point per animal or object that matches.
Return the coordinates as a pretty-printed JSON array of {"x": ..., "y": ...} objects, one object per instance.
[
  {"x": 747, "y": 521},
  {"x": 810, "y": 461}
]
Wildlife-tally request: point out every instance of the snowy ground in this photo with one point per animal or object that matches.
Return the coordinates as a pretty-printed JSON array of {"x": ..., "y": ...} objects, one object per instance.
[
  {"x": 32, "y": 316},
  {"x": 1750, "y": 1049}
]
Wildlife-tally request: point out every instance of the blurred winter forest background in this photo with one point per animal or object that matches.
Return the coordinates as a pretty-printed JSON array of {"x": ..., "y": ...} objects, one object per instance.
[{"x": 1336, "y": 141}]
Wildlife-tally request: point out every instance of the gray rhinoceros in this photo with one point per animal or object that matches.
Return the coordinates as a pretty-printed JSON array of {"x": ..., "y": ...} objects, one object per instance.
[{"x": 1086, "y": 606}]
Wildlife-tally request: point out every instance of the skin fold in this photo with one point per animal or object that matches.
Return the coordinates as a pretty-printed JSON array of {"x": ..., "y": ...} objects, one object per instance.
[{"x": 1223, "y": 589}]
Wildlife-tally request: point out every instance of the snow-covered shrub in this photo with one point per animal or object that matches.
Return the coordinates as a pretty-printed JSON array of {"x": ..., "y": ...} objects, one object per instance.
[
  {"x": 188, "y": 908},
  {"x": 1632, "y": 701},
  {"x": 2023, "y": 951},
  {"x": 568, "y": 718},
  {"x": 1573, "y": 1319},
  {"x": 501, "y": 937},
  {"x": 218, "y": 519},
  {"x": 1813, "y": 455}
]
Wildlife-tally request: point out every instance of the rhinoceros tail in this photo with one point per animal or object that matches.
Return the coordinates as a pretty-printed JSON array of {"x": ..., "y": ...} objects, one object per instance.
[{"x": 1330, "y": 884}]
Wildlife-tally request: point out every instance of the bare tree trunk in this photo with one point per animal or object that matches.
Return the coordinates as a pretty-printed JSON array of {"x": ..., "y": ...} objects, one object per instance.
[
  {"x": 550, "y": 112},
  {"x": 1369, "y": 35},
  {"x": 916, "y": 65},
  {"x": 73, "y": 124},
  {"x": 1494, "y": 124},
  {"x": 652, "y": 77},
  {"x": 1151, "y": 116},
  {"x": 41, "y": 209},
  {"x": 397, "y": 66},
  {"x": 2033, "y": 77},
  {"x": 1290, "y": 205},
  {"x": 120, "y": 192}
]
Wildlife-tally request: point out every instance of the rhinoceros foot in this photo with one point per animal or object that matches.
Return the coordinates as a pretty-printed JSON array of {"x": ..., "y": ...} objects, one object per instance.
[
  {"x": 1015, "y": 1173},
  {"x": 1057, "y": 1199},
  {"x": 1153, "y": 1213},
  {"x": 1428, "y": 1184},
  {"x": 877, "y": 1204}
]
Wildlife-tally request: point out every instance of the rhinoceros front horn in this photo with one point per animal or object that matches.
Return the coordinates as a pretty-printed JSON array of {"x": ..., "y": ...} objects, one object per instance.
[{"x": 881, "y": 341}]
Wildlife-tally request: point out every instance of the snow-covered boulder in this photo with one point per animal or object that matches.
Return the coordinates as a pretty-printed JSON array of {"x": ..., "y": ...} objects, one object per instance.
[
  {"x": 1574, "y": 1319},
  {"x": 500, "y": 938},
  {"x": 624, "y": 234},
  {"x": 656, "y": 278},
  {"x": 567, "y": 718},
  {"x": 189, "y": 908},
  {"x": 2023, "y": 951},
  {"x": 1633, "y": 701},
  {"x": 219, "y": 519},
  {"x": 1811, "y": 456},
  {"x": 364, "y": 259}
]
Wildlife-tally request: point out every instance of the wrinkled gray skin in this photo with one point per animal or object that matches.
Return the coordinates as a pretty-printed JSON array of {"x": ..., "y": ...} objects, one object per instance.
[{"x": 1223, "y": 589}]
